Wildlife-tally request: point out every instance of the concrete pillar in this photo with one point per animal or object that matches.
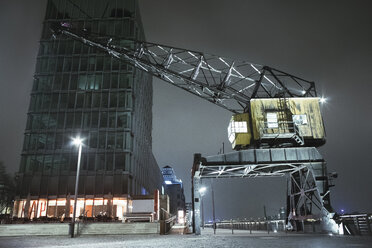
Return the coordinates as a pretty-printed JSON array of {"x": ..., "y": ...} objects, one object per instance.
[{"x": 197, "y": 199}]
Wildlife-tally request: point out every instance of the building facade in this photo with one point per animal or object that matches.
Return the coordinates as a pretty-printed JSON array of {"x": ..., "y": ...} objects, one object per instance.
[
  {"x": 81, "y": 91},
  {"x": 173, "y": 187}
]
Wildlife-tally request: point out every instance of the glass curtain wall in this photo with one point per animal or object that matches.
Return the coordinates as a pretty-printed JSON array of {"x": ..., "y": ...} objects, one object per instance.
[{"x": 79, "y": 90}]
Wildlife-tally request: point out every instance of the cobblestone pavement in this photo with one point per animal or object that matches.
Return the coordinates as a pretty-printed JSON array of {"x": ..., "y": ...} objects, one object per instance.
[{"x": 223, "y": 238}]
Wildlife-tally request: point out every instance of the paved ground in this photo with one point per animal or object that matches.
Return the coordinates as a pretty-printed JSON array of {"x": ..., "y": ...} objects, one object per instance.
[{"x": 223, "y": 238}]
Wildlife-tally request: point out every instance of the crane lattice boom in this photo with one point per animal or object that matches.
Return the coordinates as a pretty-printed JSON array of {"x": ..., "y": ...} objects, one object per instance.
[{"x": 225, "y": 82}]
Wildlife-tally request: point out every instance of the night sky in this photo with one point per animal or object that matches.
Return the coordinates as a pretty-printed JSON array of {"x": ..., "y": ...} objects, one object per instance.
[{"x": 329, "y": 42}]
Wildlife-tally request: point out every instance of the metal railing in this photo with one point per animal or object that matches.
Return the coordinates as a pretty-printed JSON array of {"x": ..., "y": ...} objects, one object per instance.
[{"x": 282, "y": 127}]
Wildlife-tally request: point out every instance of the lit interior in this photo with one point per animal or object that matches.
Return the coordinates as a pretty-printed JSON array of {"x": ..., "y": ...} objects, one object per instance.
[{"x": 62, "y": 208}]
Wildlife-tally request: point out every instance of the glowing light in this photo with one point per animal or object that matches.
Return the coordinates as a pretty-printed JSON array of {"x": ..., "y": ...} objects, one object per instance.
[
  {"x": 322, "y": 100},
  {"x": 303, "y": 92},
  {"x": 77, "y": 141},
  {"x": 168, "y": 182},
  {"x": 202, "y": 190}
]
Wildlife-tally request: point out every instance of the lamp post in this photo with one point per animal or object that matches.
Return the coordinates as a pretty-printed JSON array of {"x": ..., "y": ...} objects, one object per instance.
[
  {"x": 79, "y": 143},
  {"x": 202, "y": 191},
  {"x": 214, "y": 215}
]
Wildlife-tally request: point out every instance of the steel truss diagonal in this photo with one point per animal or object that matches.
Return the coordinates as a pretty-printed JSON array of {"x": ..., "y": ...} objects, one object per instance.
[
  {"x": 225, "y": 82},
  {"x": 304, "y": 169}
]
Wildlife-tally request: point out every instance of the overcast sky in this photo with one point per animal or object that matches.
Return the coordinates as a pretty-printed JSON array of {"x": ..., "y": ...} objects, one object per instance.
[{"x": 329, "y": 42}]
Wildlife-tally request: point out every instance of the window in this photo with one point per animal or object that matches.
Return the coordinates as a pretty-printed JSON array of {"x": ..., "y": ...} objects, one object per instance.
[
  {"x": 54, "y": 101},
  {"x": 100, "y": 161},
  {"x": 77, "y": 122},
  {"x": 59, "y": 65},
  {"x": 67, "y": 64},
  {"x": 50, "y": 141},
  {"x": 94, "y": 119},
  {"x": 46, "y": 101},
  {"x": 77, "y": 48},
  {"x": 82, "y": 81},
  {"x": 52, "y": 121},
  {"x": 107, "y": 63},
  {"x": 61, "y": 120},
  {"x": 86, "y": 120},
  {"x": 99, "y": 66},
  {"x": 104, "y": 100},
  {"x": 90, "y": 82},
  {"x": 125, "y": 81},
  {"x": 128, "y": 100},
  {"x": 111, "y": 140},
  {"x": 119, "y": 141},
  {"x": 79, "y": 100},
  {"x": 114, "y": 81},
  {"x": 73, "y": 82},
  {"x": 272, "y": 120},
  {"x": 96, "y": 100},
  {"x": 69, "y": 120},
  {"x": 48, "y": 163},
  {"x": 57, "y": 82},
  {"x": 112, "y": 119},
  {"x": 65, "y": 81},
  {"x": 71, "y": 100},
  {"x": 121, "y": 99},
  {"x": 98, "y": 81},
  {"x": 299, "y": 119},
  {"x": 103, "y": 120},
  {"x": 236, "y": 127},
  {"x": 123, "y": 120},
  {"x": 102, "y": 140},
  {"x": 106, "y": 81},
  {"x": 109, "y": 161},
  {"x": 83, "y": 64},
  {"x": 75, "y": 64},
  {"x": 120, "y": 161},
  {"x": 113, "y": 100},
  {"x": 51, "y": 64},
  {"x": 91, "y": 63},
  {"x": 26, "y": 142},
  {"x": 93, "y": 140}
]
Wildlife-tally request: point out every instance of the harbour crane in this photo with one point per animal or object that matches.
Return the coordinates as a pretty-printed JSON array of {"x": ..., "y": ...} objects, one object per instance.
[{"x": 276, "y": 123}]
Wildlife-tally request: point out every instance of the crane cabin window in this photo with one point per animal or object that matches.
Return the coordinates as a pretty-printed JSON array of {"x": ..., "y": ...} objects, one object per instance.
[
  {"x": 299, "y": 119},
  {"x": 236, "y": 127},
  {"x": 272, "y": 120}
]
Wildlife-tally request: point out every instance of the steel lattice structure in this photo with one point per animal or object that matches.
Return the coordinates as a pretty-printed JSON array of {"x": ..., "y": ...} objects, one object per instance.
[
  {"x": 304, "y": 169},
  {"x": 230, "y": 84},
  {"x": 225, "y": 82}
]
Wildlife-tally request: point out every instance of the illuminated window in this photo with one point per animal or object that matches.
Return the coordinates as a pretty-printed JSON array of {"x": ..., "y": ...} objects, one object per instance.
[
  {"x": 299, "y": 119},
  {"x": 272, "y": 120},
  {"x": 236, "y": 127}
]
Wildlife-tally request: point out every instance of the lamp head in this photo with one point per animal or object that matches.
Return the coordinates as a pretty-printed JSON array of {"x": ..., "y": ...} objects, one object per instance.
[
  {"x": 202, "y": 190},
  {"x": 77, "y": 141}
]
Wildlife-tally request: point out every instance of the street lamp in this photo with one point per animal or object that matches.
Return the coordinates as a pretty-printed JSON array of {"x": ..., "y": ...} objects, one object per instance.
[
  {"x": 79, "y": 143},
  {"x": 214, "y": 213},
  {"x": 202, "y": 191}
]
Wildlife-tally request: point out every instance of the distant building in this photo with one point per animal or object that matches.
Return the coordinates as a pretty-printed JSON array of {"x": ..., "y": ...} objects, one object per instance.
[
  {"x": 79, "y": 90},
  {"x": 173, "y": 187}
]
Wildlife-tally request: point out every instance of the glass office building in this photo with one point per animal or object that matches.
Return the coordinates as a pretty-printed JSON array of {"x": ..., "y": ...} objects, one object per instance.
[{"x": 81, "y": 91}]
